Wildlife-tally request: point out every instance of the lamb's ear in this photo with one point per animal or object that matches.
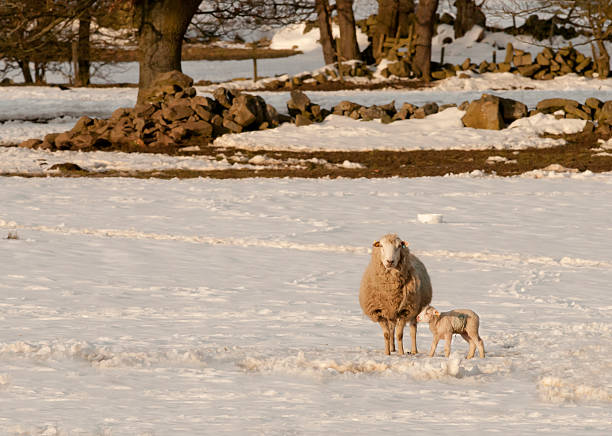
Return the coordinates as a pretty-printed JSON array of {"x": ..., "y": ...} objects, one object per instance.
[
  {"x": 376, "y": 244},
  {"x": 436, "y": 313},
  {"x": 405, "y": 244}
]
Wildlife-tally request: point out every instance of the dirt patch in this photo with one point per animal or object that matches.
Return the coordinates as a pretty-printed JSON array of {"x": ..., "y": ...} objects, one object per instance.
[{"x": 577, "y": 154}]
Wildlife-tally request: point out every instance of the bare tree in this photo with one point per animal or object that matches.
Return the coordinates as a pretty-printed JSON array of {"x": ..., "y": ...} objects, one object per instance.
[
  {"x": 326, "y": 38},
  {"x": 348, "y": 35},
  {"x": 425, "y": 20}
]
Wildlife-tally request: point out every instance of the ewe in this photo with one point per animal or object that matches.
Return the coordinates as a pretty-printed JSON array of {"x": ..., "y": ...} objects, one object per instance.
[
  {"x": 394, "y": 289},
  {"x": 443, "y": 325}
]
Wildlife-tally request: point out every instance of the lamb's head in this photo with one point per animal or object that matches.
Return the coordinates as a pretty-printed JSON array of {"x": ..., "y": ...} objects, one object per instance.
[
  {"x": 427, "y": 314},
  {"x": 390, "y": 247}
]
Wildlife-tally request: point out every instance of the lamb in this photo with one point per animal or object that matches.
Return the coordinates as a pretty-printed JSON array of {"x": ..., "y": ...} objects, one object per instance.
[
  {"x": 461, "y": 321},
  {"x": 395, "y": 287}
]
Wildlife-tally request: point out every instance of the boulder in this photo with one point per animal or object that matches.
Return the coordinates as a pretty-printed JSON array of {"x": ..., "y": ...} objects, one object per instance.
[{"x": 485, "y": 113}]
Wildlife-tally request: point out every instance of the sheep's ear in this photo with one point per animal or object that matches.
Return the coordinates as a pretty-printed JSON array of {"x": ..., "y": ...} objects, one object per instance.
[
  {"x": 436, "y": 313},
  {"x": 376, "y": 244},
  {"x": 405, "y": 244}
]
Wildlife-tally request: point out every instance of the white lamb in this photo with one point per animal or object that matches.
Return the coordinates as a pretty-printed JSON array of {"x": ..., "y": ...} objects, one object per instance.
[
  {"x": 394, "y": 289},
  {"x": 460, "y": 321}
]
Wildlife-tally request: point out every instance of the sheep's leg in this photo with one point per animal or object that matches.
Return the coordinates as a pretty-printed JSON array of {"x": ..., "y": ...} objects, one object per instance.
[
  {"x": 392, "y": 335},
  {"x": 413, "y": 331},
  {"x": 434, "y": 345},
  {"x": 399, "y": 334},
  {"x": 384, "y": 324},
  {"x": 447, "y": 344}
]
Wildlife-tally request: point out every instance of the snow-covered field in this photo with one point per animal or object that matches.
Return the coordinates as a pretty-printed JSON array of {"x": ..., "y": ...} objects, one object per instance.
[
  {"x": 201, "y": 306},
  {"x": 230, "y": 307}
]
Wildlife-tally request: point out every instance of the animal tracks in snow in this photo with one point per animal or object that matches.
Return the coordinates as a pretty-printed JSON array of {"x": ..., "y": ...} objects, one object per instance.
[{"x": 483, "y": 257}]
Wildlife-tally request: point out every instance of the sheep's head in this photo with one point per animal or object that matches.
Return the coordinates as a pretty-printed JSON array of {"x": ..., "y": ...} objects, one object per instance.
[
  {"x": 390, "y": 250},
  {"x": 427, "y": 314}
]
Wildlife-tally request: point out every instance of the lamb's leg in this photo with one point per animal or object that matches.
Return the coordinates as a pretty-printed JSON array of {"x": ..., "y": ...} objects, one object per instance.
[
  {"x": 434, "y": 344},
  {"x": 447, "y": 344},
  {"x": 472, "y": 344},
  {"x": 399, "y": 334},
  {"x": 481, "y": 350},
  {"x": 387, "y": 334},
  {"x": 392, "y": 335},
  {"x": 413, "y": 331}
]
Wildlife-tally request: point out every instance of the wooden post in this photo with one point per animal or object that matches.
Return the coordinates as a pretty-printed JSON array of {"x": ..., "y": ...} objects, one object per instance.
[
  {"x": 254, "y": 69},
  {"x": 494, "y": 57},
  {"x": 442, "y": 56}
]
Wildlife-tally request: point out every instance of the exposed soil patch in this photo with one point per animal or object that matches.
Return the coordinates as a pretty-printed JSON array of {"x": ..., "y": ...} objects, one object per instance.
[{"x": 577, "y": 154}]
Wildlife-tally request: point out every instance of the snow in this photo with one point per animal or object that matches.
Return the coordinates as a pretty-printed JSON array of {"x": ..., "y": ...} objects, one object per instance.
[
  {"x": 338, "y": 133},
  {"x": 154, "y": 307}
]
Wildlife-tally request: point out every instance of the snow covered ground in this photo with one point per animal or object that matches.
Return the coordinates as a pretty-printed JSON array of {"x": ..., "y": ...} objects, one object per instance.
[
  {"x": 157, "y": 307},
  {"x": 22, "y": 109},
  {"x": 151, "y": 307}
]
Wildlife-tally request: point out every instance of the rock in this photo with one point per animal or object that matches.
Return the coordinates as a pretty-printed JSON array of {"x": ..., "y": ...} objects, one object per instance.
[
  {"x": 232, "y": 126},
  {"x": 605, "y": 113},
  {"x": 425, "y": 110},
  {"x": 122, "y": 112},
  {"x": 31, "y": 143},
  {"x": 550, "y": 105},
  {"x": 399, "y": 69},
  {"x": 50, "y": 138},
  {"x": 62, "y": 141},
  {"x": 83, "y": 142},
  {"x": 248, "y": 109},
  {"x": 301, "y": 120},
  {"x": 224, "y": 97},
  {"x": 577, "y": 112},
  {"x": 82, "y": 125},
  {"x": 405, "y": 111},
  {"x": 177, "y": 111},
  {"x": 512, "y": 110},
  {"x": 528, "y": 70},
  {"x": 144, "y": 110},
  {"x": 542, "y": 60},
  {"x": 593, "y": 103},
  {"x": 485, "y": 113},
  {"x": 299, "y": 103},
  {"x": 202, "y": 112},
  {"x": 521, "y": 60},
  {"x": 173, "y": 78},
  {"x": 65, "y": 166},
  {"x": 504, "y": 67},
  {"x": 466, "y": 64},
  {"x": 345, "y": 107}
]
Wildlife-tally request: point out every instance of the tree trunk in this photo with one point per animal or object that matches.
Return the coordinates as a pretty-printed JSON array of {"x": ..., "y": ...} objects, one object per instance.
[
  {"x": 602, "y": 61},
  {"x": 163, "y": 24},
  {"x": 348, "y": 35},
  {"x": 25, "y": 70},
  {"x": 39, "y": 72},
  {"x": 325, "y": 31},
  {"x": 82, "y": 73},
  {"x": 468, "y": 16},
  {"x": 425, "y": 20}
]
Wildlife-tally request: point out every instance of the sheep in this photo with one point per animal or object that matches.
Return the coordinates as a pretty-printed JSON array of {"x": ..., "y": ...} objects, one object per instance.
[
  {"x": 395, "y": 287},
  {"x": 443, "y": 325}
]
